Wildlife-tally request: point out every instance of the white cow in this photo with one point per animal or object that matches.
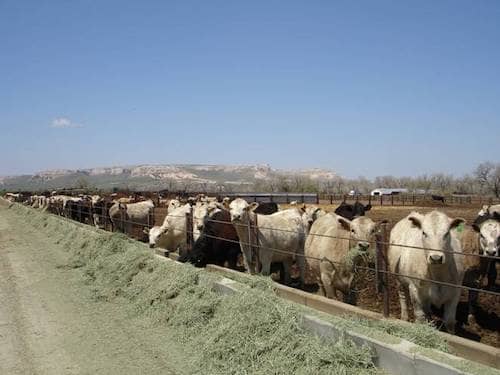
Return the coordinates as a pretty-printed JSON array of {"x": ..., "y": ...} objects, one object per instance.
[
  {"x": 334, "y": 246},
  {"x": 125, "y": 216},
  {"x": 283, "y": 231},
  {"x": 171, "y": 234},
  {"x": 434, "y": 239},
  {"x": 310, "y": 215}
]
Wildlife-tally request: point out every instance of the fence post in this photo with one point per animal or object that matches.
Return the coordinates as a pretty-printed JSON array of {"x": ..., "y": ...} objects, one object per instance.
[
  {"x": 382, "y": 279},
  {"x": 381, "y": 199},
  {"x": 79, "y": 205},
  {"x": 255, "y": 246},
  {"x": 189, "y": 230},
  {"x": 370, "y": 199},
  {"x": 392, "y": 199},
  {"x": 331, "y": 199},
  {"x": 414, "y": 199},
  {"x": 253, "y": 262}
]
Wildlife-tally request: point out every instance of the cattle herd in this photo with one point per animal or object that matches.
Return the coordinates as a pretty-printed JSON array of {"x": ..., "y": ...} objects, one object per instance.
[{"x": 432, "y": 256}]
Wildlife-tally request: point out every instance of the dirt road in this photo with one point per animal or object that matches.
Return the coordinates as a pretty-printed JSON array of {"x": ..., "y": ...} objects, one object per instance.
[{"x": 50, "y": 325}]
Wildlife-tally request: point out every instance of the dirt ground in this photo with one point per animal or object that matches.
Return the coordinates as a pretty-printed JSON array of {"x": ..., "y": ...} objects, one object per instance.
[{"x": 50, "y": 325}]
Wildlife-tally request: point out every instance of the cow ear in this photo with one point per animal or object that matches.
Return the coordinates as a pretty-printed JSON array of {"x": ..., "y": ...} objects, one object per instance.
[
  {"x": 145, "y": 230},
  {"x": 252, "y": 206},
  {"x": 455, "y": 223},
  {"x": 346, "y": 224},
  {"x": 476, "y": 228},
  {"x": 368, "y": 207},
  {"x": 415, "y": 221},
  {"x": 303, "y": 208}
]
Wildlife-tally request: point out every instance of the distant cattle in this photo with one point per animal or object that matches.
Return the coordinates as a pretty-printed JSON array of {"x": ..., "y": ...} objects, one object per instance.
[
  {"x": 218, "y": 243},
  {"x": 334, "y": 246},
  {"x": 351, "y": 211},
  {"x": 424, "y": 249},
  {"x": 438, "y": 198}
]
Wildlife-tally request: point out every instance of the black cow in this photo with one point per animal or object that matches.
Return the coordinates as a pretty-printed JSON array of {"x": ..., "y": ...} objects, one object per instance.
[
  {"x": 218, "y": 243},
  {"x": 266, "y": 208},
  {"x": 351, "y": 211},
  {"x": 438, "y": 198}
]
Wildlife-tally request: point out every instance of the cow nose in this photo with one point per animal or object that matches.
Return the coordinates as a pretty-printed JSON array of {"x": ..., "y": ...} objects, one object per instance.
[
  {"x": 491, "y": 253},
  {"x": 200, "y": 227},
  {"x": 151, "y": 245},
  {"x": 436, "y": 259},
  {"x": 363, "y": 246}
]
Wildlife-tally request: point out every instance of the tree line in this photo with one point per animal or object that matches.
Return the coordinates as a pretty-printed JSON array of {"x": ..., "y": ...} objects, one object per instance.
[{"x": 484, "y": 180}]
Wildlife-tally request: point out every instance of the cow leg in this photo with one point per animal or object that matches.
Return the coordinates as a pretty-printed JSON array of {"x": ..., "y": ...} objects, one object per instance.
[
  {"x": 403, "y": 300},
  {"x": 420, "y": 306},
  {"x": 265, "y": 260},
  {"x": 327, "y": 282},
  {"x": 247, "y": 259},
  {"x": 471, "y": 305},
  {"x": 449, "y": 314},
  {"x": 492, "y": 274},
  {"x": 301, "y": 262},
  {"x": 287, "y": 267}
]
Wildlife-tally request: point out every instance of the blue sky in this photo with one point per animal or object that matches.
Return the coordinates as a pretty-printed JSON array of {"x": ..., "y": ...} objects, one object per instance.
[{"x": 359, "y": 87}]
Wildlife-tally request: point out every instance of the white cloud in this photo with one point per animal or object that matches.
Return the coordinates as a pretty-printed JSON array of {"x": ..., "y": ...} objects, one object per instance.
[{"x": 64, "y": 123}]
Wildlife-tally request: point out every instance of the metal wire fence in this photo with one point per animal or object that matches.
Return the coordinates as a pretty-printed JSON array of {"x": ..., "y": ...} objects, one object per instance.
[{"x": 379, "y": 267}]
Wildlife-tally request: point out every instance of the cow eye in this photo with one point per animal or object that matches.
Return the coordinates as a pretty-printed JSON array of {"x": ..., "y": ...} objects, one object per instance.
[
  {"x": 352, "y": 230},
  {"x": 424, "y": 234}
]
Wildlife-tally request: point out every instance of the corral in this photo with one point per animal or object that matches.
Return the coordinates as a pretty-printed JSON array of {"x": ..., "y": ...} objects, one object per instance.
[{"x": 487, "y": 325}]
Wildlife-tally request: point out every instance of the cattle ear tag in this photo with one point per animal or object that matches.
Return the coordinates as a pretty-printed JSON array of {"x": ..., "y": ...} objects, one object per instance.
[{"x": 460, "y": 227}]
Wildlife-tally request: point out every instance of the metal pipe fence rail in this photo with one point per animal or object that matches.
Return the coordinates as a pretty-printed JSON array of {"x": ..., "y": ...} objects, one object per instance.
[
  {"x": 410, "y": 199},
  {"x": 380, "y": 268}
]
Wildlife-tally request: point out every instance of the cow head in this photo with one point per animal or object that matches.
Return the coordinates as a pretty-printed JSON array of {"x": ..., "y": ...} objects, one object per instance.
[
  {"x": 489, "y": 236},
  {"x": 201, "y": 212},
  {"x": 154, "y": 235},
  {"x": 362, "y": 232},
  {"x": 435, "y": 229},
  {"x": 240, "y": 210},
  {"x": 310, "y": 215}
]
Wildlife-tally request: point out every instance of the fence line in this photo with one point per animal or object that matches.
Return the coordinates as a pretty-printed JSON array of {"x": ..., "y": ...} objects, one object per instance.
[
  {"x": 405, "y": 199},
  {"x": 149, "y": 226},
  {"x": 380, "y": 257}
]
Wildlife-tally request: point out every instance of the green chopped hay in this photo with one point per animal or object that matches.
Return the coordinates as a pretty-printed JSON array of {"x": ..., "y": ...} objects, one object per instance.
[{"x": 423, "y": 334}]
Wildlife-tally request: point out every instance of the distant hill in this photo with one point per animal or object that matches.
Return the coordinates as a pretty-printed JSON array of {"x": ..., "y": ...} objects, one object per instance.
[{"x": 156, "y": 177}]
